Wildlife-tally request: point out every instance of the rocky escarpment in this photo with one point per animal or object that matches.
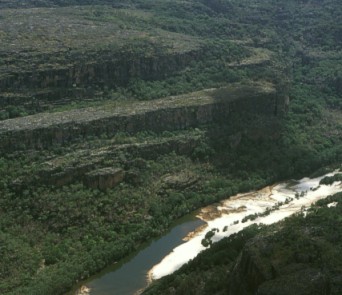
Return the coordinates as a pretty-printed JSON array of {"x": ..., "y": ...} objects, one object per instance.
[
  {"x": 173, "y": 113},
  {"x": 78, "y": 165},
  {"x": 44, "y": 130},
  {"x": 104, "y": 178},
  {"x": 81, "y": 79},
  {"x": 54, "y": 54}
]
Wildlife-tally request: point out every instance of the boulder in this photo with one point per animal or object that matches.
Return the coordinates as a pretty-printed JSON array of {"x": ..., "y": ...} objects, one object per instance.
[{"x": 180, "y": 181}]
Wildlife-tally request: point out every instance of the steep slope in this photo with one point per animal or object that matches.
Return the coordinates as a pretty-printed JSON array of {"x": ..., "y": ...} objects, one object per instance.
[{"x": 121, "y": 95}]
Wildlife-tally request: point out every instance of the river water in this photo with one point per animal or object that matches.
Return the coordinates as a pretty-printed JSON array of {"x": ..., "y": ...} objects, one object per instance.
[
  {"x": 170, "y": 252},
  {"x": 130, "y": 275}
]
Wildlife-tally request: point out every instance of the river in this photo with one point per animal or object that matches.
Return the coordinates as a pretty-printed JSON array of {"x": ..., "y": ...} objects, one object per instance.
[
  {"x": 170, "y": 252},
  {"x": 130, "y": 275}
]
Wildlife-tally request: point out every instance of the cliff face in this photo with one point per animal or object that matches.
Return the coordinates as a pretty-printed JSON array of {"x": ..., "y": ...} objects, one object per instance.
[
  {"x": 71, "y": 131},
  {"x": 105, "y": 178},
  {"x": 49, "y": 84},
  {"x": 56, "y": 54},
  {"x": 255, "y": 110}
]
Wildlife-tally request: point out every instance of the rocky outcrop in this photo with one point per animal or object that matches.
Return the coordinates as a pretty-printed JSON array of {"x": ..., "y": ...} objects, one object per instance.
[
  {"x": 65, "y": 173},
  {"x": 105, "y": 178},
  {"x": 182, "y": 180},
  {"x": 82, "y": 78},
  {"x": 55, "y": 55},
  {"x": 174, "y": 113},
  {"x": 263, "y": 269},
  {"x": 251, "y": 270},
  {"x": 89, "y": 124}
]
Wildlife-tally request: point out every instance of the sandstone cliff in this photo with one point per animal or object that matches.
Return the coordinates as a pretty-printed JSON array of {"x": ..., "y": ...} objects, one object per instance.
[{"x": 235, "y": 105}]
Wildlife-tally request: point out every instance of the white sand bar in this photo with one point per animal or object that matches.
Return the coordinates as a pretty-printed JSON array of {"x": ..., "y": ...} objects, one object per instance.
[{"x": 298, "y": 195}]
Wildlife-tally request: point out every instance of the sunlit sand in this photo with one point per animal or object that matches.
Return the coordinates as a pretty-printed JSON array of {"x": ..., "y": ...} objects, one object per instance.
[{"x": 282, "y": 200}]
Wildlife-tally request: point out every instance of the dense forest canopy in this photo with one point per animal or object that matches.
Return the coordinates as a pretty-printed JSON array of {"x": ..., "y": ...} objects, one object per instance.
[{"x": 57, "y": 224}]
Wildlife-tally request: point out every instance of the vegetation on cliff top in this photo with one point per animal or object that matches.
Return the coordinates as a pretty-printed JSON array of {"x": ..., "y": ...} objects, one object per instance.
[
  {"x": 58, "y": 55},
  {"x": 54, "y": 234}
]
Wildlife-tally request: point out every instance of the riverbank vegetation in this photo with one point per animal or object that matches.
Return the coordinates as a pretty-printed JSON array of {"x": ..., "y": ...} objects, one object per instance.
[
  {"x": 55, "y": 230},
  {"x": 304, "y": 245}
]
